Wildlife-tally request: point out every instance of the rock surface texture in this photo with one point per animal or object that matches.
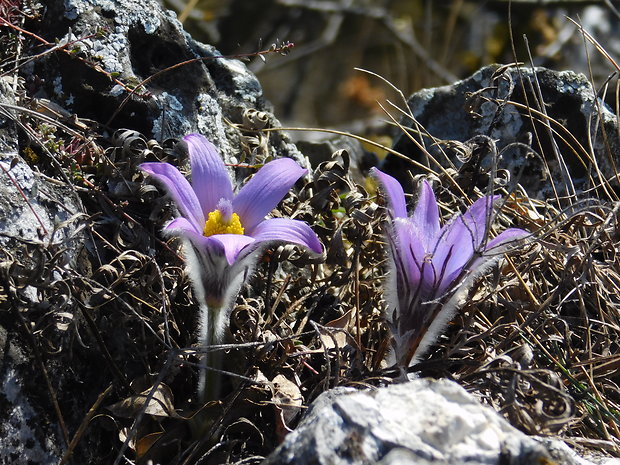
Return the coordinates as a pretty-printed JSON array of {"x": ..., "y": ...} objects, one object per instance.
[
  {"x": 420, "y": 422},
  {"x": 37, "y": 218},
  {"x": 534, "y": 123},
  {"x": 118, "y": 45}
]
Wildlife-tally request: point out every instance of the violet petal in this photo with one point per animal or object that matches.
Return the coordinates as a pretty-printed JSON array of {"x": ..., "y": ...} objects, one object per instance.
[
  {"x": 478, "y": 217},
  {"x": 455, "y": 246},
  {"x": 185, "y": 230},
  {"x": 448, "y": 279},
  {"x": 462, "y": 236},
  {"x": 181, "y": 225},
  {"x": 394, "y": 192},
  {"x": 498, "y": 245},
  {"x": 455, "y": 249},
  {"x": 231, "y": 244},
  {"x": 210, "y": 178},
  {"x": 179, "y": 189},
  {"x": 287, "y": 230},
  {"x": 493, "y": 249},
  {"x": 425, "y": 217},
  {"x": 264, "y": 191},
  {"x": 511, "y": 234},
  {"x": 409, "y": 251}
]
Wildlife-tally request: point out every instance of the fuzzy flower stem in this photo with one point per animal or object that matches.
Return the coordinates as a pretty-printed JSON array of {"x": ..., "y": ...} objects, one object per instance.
[{"x": 209, "y": 384}]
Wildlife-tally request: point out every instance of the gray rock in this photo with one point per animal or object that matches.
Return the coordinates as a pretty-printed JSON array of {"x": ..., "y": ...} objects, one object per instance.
[
  {"x": 27, "y": 433},
  {"x": 35, "y": 215},
  {"x": 420, "y": 422},
  {"x": 117, "y": 45},
  {"x": 31, "y": 207},
  {"x": 465, "y": 118}
]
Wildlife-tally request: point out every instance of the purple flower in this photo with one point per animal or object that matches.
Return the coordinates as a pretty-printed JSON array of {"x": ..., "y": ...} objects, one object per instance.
[
  {"x": 432, "y": 267},
  {"x": 226, "y": 232},
  {"x": 221, "y": 224}
]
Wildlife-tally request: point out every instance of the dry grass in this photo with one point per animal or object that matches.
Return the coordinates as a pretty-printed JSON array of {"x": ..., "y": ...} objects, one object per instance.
[{"x": 538, "y": 338}]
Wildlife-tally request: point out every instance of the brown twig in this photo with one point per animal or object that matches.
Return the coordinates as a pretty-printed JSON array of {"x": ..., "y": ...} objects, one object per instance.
[{"x": 85, "y": 422}]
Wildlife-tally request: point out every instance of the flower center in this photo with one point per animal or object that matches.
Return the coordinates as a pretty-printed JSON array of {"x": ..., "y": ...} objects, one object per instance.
[{"x": 222, "y": 220}]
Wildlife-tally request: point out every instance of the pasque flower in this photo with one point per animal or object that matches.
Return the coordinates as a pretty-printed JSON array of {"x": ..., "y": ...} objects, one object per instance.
[
  {"x": 432, "y": 267},
  {"x": 226, "y": 232}
]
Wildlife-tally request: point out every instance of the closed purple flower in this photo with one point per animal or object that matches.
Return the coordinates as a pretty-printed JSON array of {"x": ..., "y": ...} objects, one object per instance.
[
  {"x": 226, "y": 232},
  {"x": 431, "y": 264}
]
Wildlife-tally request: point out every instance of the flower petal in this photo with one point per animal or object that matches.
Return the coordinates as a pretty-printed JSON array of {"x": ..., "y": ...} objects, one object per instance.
[
  {"x": 460, "y": 238},
  {"x": 287, "y": 230},
  {"x": 511, "y": 234},
  {"x": 228, "y": 245},
  {"x": 478, "y": 217},
  {"x": 216, "y": 281},
  {"x": 425, "y": 217},
  {"x": 265, "y": 190},
  {"x": 454, "y": 251},
  {"x": 394, "y": 192},
  {"x": 179, "y": 189},
  {"x": 181, "y": 225},
  {"x": 421, "y": 271},
  {"x": 408, "y": 253},
  {"x": 211, "y": 249},
  {"x": 498, "y": 245},
  {"x": 210, "y": 178},
  {"x": 185, "y": 229},
  {"x": 232, "y": 244}
]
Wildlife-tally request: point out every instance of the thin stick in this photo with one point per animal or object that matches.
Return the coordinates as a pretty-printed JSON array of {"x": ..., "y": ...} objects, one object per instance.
[{"x": 82, "y": 428}]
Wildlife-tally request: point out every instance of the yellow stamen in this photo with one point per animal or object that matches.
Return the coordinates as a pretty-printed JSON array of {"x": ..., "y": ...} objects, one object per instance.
[{"x": 215, "y": 224}]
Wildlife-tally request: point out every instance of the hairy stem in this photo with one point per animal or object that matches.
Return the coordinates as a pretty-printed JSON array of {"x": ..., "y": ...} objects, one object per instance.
[{"x": 209, "y": 381}]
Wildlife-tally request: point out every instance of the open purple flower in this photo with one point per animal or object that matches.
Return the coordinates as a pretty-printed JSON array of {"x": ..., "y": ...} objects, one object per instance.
[
  {"x": 225, "y": 233},
  {"x": 433, "y": 266}
]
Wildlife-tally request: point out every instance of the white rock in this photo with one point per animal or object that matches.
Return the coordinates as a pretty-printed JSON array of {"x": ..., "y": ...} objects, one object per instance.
[{"x": 420, "y": 422}]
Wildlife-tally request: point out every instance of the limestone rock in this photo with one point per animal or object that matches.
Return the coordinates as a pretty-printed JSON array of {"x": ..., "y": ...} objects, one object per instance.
[
  {"x": 118, "y": 45},
  {"x": 420, "y": 422},
  {"x": 492, "y": 105},
  {"x": 35, "y": 216}
]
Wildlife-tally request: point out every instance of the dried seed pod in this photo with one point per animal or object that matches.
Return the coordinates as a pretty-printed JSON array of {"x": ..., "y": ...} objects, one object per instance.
[
  {"x": 354, "y": 200},
  {"x": 296, "y": 255},
  {"x": 255, "y": 120},
  {"x": 336, "y": 252},
  {"x": 329, "y": 178},
  {"x": 130, "y": 142}
]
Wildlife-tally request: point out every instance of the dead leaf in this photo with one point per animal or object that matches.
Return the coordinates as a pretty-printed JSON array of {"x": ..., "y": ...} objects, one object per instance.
[
  {"x": 288, "y": 402},
  {"x": 146, "y": 442},
  {"x": 339, "y": 337},
  {"x": 122, "y": 436},
  {"x": 159, "y": 405},
  {"x": 342, "y": 322}
]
